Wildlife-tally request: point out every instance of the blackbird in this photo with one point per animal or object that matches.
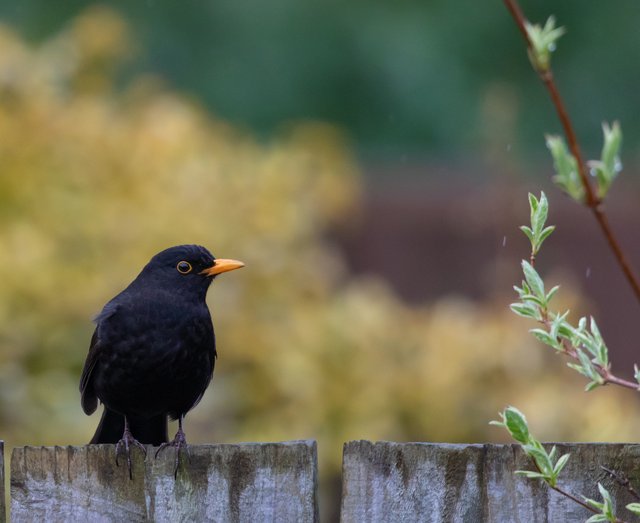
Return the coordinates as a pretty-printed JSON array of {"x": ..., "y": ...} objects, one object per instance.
[{"x": 153, "y": 351}]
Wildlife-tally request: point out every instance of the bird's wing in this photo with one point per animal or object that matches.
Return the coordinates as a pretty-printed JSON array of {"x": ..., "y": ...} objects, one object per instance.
[
  {"x": 89, "y": 400},
  {"x": 209, "y": 335}
]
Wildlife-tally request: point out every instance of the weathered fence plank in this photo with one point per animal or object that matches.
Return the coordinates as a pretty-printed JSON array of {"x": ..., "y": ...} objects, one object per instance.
[
  {"x": 427, "y": 482},
  {"x": 248, "y": 482}
]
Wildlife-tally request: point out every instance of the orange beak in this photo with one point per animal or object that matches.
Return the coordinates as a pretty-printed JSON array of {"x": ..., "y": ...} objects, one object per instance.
[{"x": 221, "y": 265}]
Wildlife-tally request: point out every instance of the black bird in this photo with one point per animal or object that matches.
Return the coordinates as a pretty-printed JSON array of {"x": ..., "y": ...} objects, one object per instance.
[{"x": 153, "y": 351}]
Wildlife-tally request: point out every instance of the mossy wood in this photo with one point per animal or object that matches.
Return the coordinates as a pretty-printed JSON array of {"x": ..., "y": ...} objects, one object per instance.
[
  {"x": 226, "y": 483},
  {"x": 434, "y": 483}
]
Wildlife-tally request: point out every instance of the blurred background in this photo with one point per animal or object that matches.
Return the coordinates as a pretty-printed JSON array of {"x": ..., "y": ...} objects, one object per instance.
[{"x": 369, "y": 161}]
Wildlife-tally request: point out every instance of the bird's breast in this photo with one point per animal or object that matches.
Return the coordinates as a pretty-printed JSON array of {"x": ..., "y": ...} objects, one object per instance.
[{"x": 162, "y": 359}]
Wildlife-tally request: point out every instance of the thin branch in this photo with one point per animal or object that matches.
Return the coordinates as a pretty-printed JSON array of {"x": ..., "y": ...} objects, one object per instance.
[
  {"x": 592, "y": 201},
  {"x": 517, "y": 15},
  {"x": 610, "y": 378},
  {"x": 570, "y": 496},
  {"x": 623, "y": 481},
  {"x": 604, "y": 372},
  {"x": 577, "y": 500},
  {"x": 603, "y": 221}
]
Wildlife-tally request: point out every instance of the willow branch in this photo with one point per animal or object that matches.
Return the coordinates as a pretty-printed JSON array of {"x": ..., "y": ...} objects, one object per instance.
[
  {"x": 623, "y": 481},
  {"x": 570, "y": 496},
  {"x": 605, "y": 373},
  {"x": 592, "y": 201}
]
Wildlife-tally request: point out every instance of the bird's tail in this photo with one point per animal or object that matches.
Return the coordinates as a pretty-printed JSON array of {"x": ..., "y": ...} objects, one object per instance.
[{"x": 153, "y": 431}]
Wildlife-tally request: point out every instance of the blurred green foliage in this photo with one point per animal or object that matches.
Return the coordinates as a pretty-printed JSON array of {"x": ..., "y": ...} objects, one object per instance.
[
  {"x": 94, "y": 180},
  {"x": 404, "y": 78}
]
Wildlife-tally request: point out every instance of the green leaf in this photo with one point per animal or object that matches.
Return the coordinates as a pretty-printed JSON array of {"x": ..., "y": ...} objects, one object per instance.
[
  {"x": 565, "y": 331},
  {"x": 591, "y": 385},
  {"x": 559, "y": 321},
  {"x": 595, "y": 504},
  {"x": 560, "y": 464},
  {"x": 597, "y": 518},
  {"x": 611, "y": 148},
  {"x": 516, "y": 424},
  {"x": 609, "y": 166},
  {"x": 585, "y": 362},
  {"x": 605, "y": 508},
  {"x": 535, "y": 214},
  {"x": 533, "y": 204},
  {"x": 526, "y": 310},
  {"x": 582, "y": 324},
  {"x": 530, "y": 298},
  {"x": 530, "y": 474},
  {"x": 566, "y": 168},
  {"x": 540, "y": 456},
  {"x": 546, "y": 338},
  {"x": 594, "y": 329},
  {"x": 542, "y": 211},
  {"x": 605, "y": 495},
  {"x": 587, "y": 365},
  {"x": 528, "y": 233},
  {"x": 537, "y": 233},
  {"x": 543, "y": 42},
  {"x": 533, "y": 280},
  {"x": 545, "y": 233},
  {"x": 600, "y": 349},
  {"x": 634, "y": 507},
  {"x": 586, "y": 368}
]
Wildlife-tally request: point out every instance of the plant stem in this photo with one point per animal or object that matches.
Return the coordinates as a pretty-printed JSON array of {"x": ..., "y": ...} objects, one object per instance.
[
  {"x": 571, "y": 496},
  {"x": 592, "y": 201},
  {"x": 570, "y": 351},
  {"x": 610, "y": 378},
  {"x": 578, "y": 501},
  {"x": 623, "y": 481}
]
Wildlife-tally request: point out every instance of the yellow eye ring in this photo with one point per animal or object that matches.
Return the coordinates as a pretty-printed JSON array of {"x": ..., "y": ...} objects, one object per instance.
[{"x": 184, "y": 267}]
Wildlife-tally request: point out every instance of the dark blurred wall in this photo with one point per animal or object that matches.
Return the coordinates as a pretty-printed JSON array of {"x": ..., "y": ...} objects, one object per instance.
[{"x": 433, "y": 241}]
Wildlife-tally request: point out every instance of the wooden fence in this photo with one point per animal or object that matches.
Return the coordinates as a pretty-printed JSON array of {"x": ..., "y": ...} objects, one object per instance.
[{"x": 277, "y": 482}]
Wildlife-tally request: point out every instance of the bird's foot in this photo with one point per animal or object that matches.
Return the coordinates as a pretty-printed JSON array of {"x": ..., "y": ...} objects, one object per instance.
[
  {"x": 179, "y": 442},
  {"x": 125, "y": 444}
]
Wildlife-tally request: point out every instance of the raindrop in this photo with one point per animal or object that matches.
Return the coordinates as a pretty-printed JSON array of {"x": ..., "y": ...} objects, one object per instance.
[
  {"x": 617, "y": 166},
  {"x": 551, "y": 47},
  {"x": 504, "y": 241},
  {"x": 508, "y": 147},
  {"x": 588, "y": 272}
]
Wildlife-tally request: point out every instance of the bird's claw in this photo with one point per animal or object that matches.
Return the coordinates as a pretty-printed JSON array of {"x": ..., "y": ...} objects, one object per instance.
[
  {"x": 179, "y": 442},
  {"x": 126, "y": 440}
]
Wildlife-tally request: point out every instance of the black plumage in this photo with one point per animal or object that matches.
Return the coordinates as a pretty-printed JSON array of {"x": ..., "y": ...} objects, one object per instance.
[{"x": 153, "y": 351}]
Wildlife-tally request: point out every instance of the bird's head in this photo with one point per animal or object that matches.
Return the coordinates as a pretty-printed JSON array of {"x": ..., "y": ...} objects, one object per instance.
[{"x": 186, "y": 267}]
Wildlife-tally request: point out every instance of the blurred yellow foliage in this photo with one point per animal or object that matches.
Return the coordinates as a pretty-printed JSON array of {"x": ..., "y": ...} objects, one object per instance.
[{"x": 94, "y": 180}]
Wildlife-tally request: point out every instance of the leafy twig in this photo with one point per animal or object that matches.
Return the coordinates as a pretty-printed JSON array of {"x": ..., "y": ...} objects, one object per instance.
[
  {"x": 582, "y": 343},
  {"x": 539, "y": 45},
  {"x": 549, "y": 466},
  {"x": 623, "y": 481}
]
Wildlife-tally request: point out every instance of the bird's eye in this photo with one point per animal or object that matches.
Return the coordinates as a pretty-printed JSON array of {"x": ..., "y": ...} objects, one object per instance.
[{"x": 184, "y": 267}]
